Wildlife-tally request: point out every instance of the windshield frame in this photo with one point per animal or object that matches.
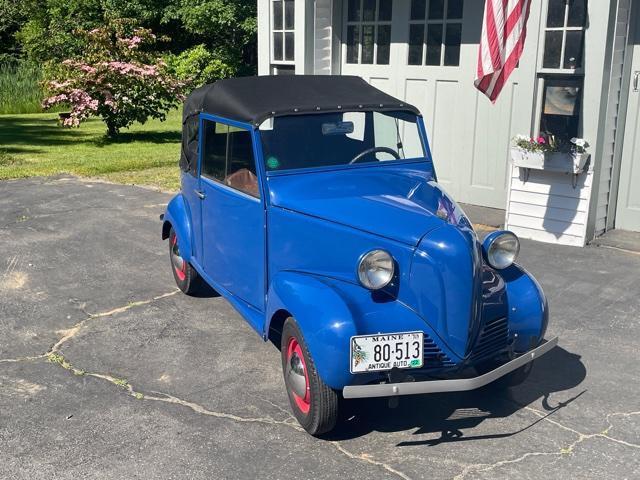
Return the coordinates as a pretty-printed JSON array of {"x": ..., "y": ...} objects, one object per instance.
[{"x": 427, "y": 158}]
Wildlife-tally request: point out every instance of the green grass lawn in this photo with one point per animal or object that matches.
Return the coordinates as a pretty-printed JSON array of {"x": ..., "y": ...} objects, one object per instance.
[{"x": 34, "y": 145}]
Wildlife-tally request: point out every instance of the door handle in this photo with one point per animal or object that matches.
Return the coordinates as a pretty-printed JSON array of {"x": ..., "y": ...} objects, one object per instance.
[
  {"x": 636, "y": 80},
  {"x": 201, "y": 195}
]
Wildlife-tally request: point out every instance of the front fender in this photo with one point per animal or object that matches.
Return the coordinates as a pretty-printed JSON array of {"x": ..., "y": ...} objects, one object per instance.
[
  {"x": 177, "y": 215},
  {"x": 325, "y": 319},
  {"x": 528, "y": 308}
]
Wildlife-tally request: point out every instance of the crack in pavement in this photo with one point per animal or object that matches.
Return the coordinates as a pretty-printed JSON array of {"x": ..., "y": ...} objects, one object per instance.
[
  {"x": 485, "y": 467},
  {"x": 585, "y": 436},
  {"x": 55, "y": 356},
  {"x": 71, "y": 332}
]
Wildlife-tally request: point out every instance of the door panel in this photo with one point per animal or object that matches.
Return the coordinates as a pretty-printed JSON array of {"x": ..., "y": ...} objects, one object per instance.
[
  {"x": 470, "y": 137},
  {"x": 233, "y": 241},
  {"x": 628, "y": 206}
]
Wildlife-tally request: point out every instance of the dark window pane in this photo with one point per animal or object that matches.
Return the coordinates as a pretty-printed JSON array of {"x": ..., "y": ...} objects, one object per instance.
[
  {"x": 353, "y": 43},
  {"x": 577, "y": 13},
  {"x": 454, "y": 9},
  {"x": 289, "y": 44},
  {"x": 436, "y": 9},
  {"x": 384, "y": 10},
  {"x": 552, "y": 49},
  {"x": 384, "y": 42},
  {"x": 452, "y": 44},
  {"x": 573, "y": 49},
  {"x": 241, "y": 168},
  {"x": 278, "y": 48},
  {"x": 416, "y": 39},
  {"x": 555, "y": 14},
  {"x": 214, "y": 153},
  {"x": 277, "y": 15},
  {"x": 354, "y": 11},
  {"x": 562, "y": 106},
  {"x": 289, "y": 17},
  {"x": 369, "y": 10},
  {"x": 367, "y": 44},
  {"x": 434, "y": 44},
  {"x": 418, "y": 8}
]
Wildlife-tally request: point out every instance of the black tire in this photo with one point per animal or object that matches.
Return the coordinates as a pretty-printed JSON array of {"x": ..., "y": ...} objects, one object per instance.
[
  {"x": 186, "y": 277},
  {"x": 320, "y": 401},
  {"x": 511, "y": 379}
]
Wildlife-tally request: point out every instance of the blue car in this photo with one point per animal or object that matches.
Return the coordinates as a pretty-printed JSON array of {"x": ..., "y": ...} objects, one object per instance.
[{"x": 311, "y": 203}]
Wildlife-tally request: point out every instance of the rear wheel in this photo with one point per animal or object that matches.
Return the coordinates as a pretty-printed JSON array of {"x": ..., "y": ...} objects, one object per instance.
[
  {"x": 314, "y": 404},
  {"x": 185, "y": 275}
]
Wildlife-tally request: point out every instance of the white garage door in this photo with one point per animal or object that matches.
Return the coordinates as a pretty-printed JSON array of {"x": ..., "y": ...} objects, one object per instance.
[{"x": 425, "y": 52}]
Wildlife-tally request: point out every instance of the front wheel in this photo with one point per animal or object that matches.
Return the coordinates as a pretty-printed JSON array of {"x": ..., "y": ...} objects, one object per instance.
[{"x": 314, "y": 404}]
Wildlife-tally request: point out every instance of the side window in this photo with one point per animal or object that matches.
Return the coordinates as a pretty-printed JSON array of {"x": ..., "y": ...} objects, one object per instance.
[
  {"x": 241, "y": 165},
  {"x": 228, "y": 157},
  {"x": 189, "y": 153},
  {"x": 214, "y": 155}
]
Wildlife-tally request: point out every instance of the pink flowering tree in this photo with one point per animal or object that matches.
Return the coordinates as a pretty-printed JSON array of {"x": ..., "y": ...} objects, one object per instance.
[{"x": 117, "y": 78}]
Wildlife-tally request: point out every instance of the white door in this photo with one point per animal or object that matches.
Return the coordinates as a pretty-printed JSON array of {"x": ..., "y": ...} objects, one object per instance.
[
  {"x": 432, "y": 64},
  {"x": 628, "y": 206}
]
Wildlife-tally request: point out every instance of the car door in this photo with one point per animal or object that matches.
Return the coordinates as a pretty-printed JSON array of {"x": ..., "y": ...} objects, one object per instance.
[{"x": 233, "y": 215}]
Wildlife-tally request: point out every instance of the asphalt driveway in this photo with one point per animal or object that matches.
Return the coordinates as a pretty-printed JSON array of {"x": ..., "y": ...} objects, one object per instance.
[{"x": 107, "y": 372}]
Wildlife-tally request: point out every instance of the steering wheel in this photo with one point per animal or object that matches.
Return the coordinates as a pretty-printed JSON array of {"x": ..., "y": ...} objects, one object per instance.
[{"x": 388, "y": 150}]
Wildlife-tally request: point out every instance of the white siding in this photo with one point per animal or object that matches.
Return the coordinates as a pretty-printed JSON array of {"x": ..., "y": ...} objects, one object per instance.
[
  {"x": 546, "y": 207},
  {"x": 613, "y": 103},
  {"x": 322, "y": 53}
]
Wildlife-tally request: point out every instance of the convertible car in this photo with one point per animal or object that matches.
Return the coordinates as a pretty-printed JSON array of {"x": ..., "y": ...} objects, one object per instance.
[{"x": 312, "y": 204}]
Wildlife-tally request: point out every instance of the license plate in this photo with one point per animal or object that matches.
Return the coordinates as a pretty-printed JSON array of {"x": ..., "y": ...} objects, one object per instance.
[{"x": 376, "y": 353}]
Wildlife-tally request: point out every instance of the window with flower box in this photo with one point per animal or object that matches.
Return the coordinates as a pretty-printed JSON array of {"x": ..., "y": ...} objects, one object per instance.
[{"x": 561, "y": 70}]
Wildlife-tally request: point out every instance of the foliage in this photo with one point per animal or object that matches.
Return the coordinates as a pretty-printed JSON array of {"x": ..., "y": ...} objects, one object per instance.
[
  {"x": 227, "y": 28},
  {"x": 550, "y": 144},
  {"x": 34, "y": 145},
  {"x": 198, "y": 66},
  {"x": 20, "y": 90},
  {"x": 13, "y": 15},
  {"x": 115, "y": 78}
]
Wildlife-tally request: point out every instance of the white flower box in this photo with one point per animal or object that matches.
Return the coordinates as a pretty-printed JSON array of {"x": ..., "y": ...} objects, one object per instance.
[{"x": 573, "y": 163}]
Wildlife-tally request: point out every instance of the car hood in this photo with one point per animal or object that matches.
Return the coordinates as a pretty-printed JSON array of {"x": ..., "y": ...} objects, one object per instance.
[{"x": 402, "y": 203}]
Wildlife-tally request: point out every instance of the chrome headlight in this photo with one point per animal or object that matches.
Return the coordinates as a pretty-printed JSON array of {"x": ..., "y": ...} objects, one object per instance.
[
  {"x": 501, "y": 249},
  {"x": 375, "y": 269}
]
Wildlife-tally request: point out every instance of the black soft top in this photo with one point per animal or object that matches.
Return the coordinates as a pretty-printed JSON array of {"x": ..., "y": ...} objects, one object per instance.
[{"x": 254, "y": 99}]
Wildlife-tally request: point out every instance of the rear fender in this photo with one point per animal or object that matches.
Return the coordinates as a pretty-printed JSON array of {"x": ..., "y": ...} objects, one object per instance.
[
  {"x": 324, "y": 318},
  {"x": 177, "y": 215},
  {"x": 528, "y": 308}
]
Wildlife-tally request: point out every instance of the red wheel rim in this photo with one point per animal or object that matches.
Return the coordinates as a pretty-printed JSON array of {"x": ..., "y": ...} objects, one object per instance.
[
  {"x": 179, "y": 265},
  {"x": 303, "y": 403}
]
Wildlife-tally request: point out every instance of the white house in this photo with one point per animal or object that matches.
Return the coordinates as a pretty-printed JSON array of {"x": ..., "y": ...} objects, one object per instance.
[{"x": 425, "y": 51}]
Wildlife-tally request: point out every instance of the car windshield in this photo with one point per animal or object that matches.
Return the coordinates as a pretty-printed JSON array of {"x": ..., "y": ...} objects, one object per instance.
[{"x": 342, "y": 138}]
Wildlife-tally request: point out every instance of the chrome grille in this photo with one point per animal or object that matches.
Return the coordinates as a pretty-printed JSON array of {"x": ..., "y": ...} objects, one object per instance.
[
  {"x": 433, "y": 356},
  {"x": 493, "y": 338}
]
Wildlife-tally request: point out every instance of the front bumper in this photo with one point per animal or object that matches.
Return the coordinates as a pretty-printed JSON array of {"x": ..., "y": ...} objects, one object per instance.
[{"x": 440, "y": 386}]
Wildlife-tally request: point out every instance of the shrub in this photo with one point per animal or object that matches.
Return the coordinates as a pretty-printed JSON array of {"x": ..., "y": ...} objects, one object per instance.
[
  {"x": 198, "y": 66},
  {"x": 116, "y": 78}
]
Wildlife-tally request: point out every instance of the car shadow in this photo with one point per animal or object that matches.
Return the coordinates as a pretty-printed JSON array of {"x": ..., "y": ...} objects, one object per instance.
[{"x": 452, "y": 415}]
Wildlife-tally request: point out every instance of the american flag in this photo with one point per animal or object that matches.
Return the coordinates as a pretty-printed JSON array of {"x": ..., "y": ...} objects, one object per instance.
[{"x": 504, "y": 30}]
